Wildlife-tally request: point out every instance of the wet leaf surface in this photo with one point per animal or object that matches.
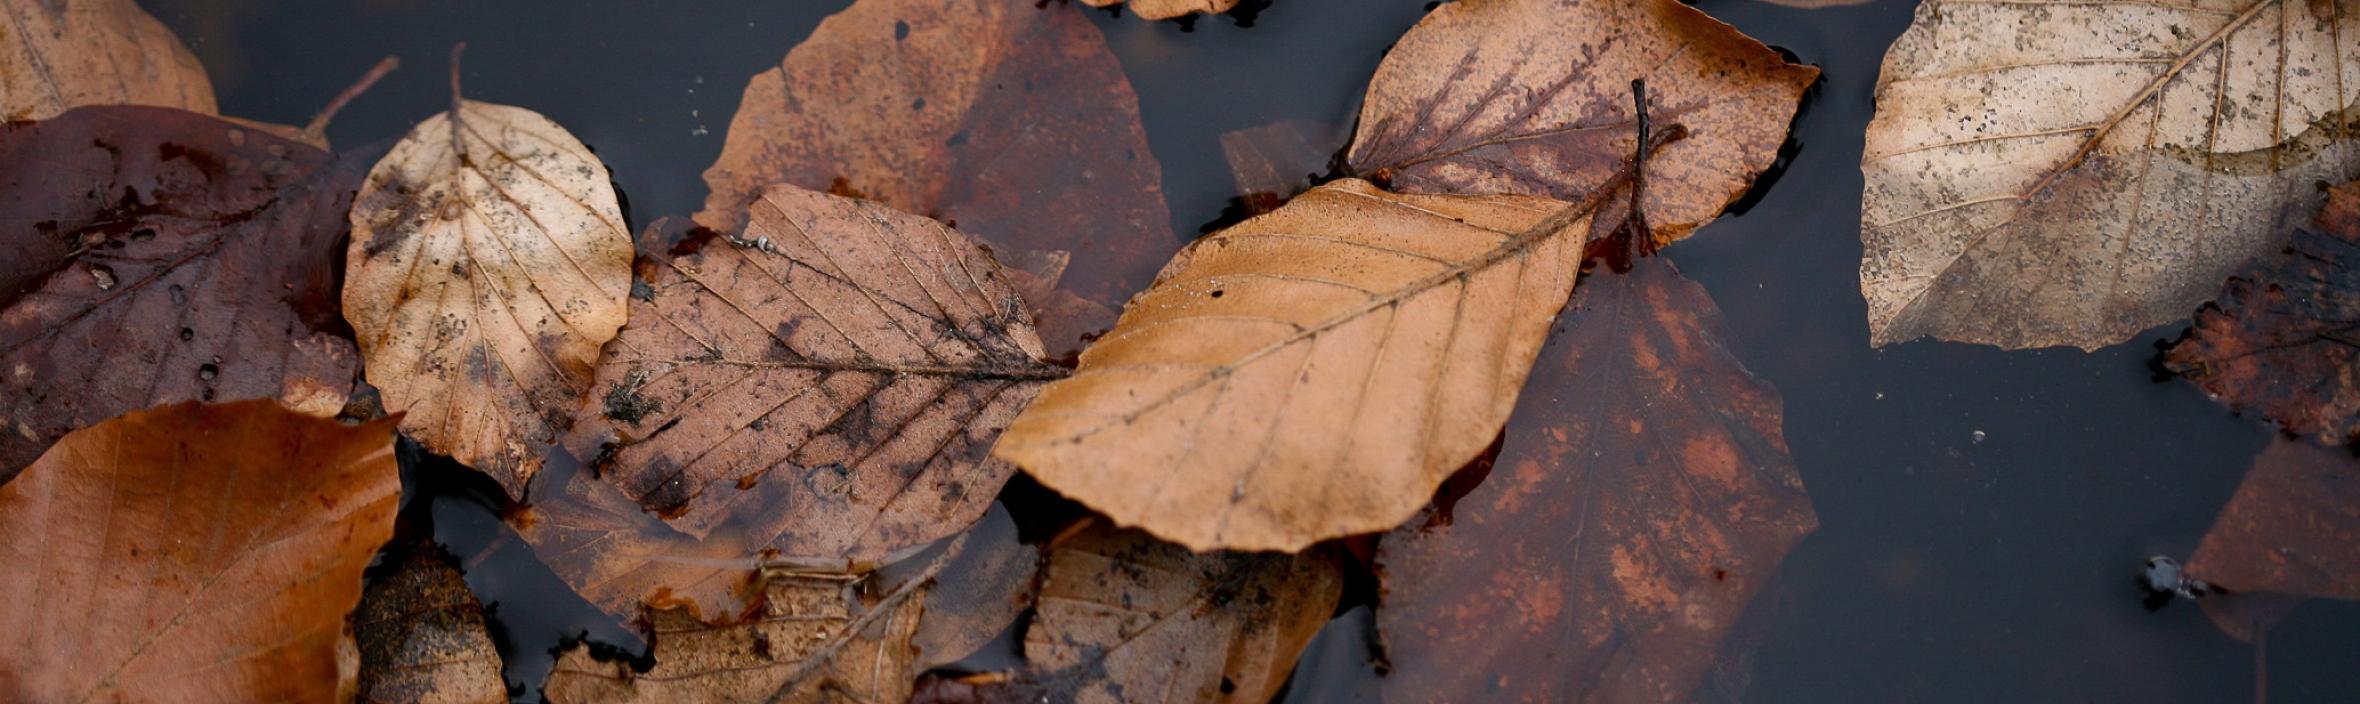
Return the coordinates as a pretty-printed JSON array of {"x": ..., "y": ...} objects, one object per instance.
[
  {"x": 983, "y": 591},
  {"x": 1621, "y": 535},
  {"x": 798, "y": 617},
  {"x": 828, "y": 384},
  {"x": 620, "y": 558},
  {"x": 1273, "y": 162},
  {"x": 192, "y": 553},
  {"x": 422, "y": 638},
  {"x": 56, "y": 55},
  {"x": 2041, "y": 176},
  {"x": 1167, "y": 9},
  {"x": 1533, "y": 97},
  {"x": 2293, "y": 527},
  {"x": 489, "y": 261},
  {"x": 1005, "y": 119},
  {"x": 2283, "y": 338},
  {"x": 150, "y": 256}
]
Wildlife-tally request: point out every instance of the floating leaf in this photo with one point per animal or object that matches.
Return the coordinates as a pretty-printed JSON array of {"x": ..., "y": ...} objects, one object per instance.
[
  {"x": 1620, "y": 537},
  {"x": 1168, "y": 9},
  {"x": 422, "y": 637},
  {"x": 56, "y": 55},
  {"x": 831, "y": 382},
  {"x": 2283, "y": 338},
  {"x": 150, "y": 256},
  {"x": 2043, "y": 174},
  {"x": 2293, "y": 527},
  {"x": 800, "y": 618},
  {"x": 192, "y": 553},
  {"x": 1008, "y": 121},
  {"x": 1533, "y": 97},
  {"x": 489, "y": 260}
]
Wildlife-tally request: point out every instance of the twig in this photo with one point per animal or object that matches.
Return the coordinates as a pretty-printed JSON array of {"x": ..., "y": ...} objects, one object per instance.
[
  {"x": 826, "y": 654},
  {"x": 317, "y": 130},
  {"x": 1638, "y": 219}
]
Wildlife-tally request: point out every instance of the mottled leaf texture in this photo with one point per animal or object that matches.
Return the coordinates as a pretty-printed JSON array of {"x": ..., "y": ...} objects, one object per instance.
[
  {"x": 1006, "y": 119},
  {"x": 1534, "y": 97},
  {"x": 831, "y": 381},
  {"x": 192, "y": 553},
  {"x": 150, "y": 256},
  {"x": 489, "y": 261},
  {"x": 1620, "y": 537},
  {"x": 799, "y": 616},
  {"x": 422, "y": 638},
  {"x": 2043, "y": 174},
  {"x": 1167, "y": 9},
  {"x": 1124, "y": 617},
  {"x": 2293, "y": 527},
  {"x": 1311, "y": 373},
  {"x": 2283, "y": 338},
  {"x": 56, "y": 55}
]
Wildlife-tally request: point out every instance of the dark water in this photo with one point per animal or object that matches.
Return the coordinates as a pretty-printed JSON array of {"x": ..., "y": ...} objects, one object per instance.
[{"x": 1982, "y": 512}]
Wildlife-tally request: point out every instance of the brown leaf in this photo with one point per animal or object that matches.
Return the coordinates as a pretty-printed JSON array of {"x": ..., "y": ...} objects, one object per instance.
[
  {"x": 830, "y": 382},
  {"x": 1009, "y": 122},
  {"x": 56, "y": 55},
  {"x": 422, "y": 637},
  {"x": 1620, "y": 538},
  {"x": 191, "y": 553},
  {"x": 2041, "y": 175},
  {"x": 1168, "y": 9},
  {"x": 150, "y": 256},
  {"x": 2293, "y": 527},
  {"x": 619, "y": 558},
  {"x": 747, "y": 662},
  {"x": 983, "y": 590},
  {"x": 1533, "y": 97},
  {"x": 2283, "y": 338},
  {"x": 1311, "y": 373},
  {"x": 489, "y": 260},
  {"x": 1273, "y": 162}
]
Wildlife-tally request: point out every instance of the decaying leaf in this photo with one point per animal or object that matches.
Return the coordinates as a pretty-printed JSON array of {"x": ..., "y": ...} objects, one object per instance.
[
  {"x": 983, "y": 590},
  {"x": 800, "y": 616},
  {"x": 1007, "y": 120},
  {"x": 620, "y": 558},
  {"x": 1533, "y": 97},
  {"x": 830, "y": 382},
  {"x": 192, "y": 553},
  {"x": 1167, "y": 9},
  {"x": 2293, "y": 527},
  {"x": 2283, "y": 338},
  {"x": 1311, "y": 373},
  {"x": 150, "y": 256},
  {"x": 1126, "y": 618},
  {"x": 488, "y": 263},
  {"x": 2042, "y": 175},
  {"x": 56, "y": 55},
  {"x": 1271, "y": 163},
  {"x": 422, "y": 638},
  {"x": 1616, "y": 542}
]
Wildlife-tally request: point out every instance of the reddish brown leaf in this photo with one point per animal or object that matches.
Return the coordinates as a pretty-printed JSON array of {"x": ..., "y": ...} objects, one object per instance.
[
  {"x": 1619, "y": 537},
  {"x": 1005, "y": 119},
  {"x": 422, "y": 638},
  {"x": 192, "y": 553},
  {"x": 149, "y": 256},
  {"x": 2283, "y": 338},
  {"x": 619, "y": 558},
  {"x": 2293, "y": 527}
]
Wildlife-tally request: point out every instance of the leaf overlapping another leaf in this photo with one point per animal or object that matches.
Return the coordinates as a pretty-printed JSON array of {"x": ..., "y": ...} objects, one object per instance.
[{"x": 58, "y": 55}]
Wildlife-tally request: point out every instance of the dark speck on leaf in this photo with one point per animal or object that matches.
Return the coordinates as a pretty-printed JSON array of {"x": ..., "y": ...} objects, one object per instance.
[
  {"x": 625, "y": 403},
  {"x": 901, "y": 30}
]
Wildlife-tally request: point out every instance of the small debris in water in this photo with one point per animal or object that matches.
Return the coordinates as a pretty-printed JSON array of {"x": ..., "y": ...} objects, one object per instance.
[
  {"x": 1979, "y": 436},
  {"x": 2163, "y": 579}
]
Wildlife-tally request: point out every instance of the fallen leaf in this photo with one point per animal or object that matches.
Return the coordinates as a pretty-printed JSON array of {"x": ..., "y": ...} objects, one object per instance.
[
  {"x": 800, "y": 616},
  {"x": 1621, "y": 534},
  {"x": 422, "y": 636},
  {"x": 192, "y": 553},
  {"x": 2283, "y": 338},
  {"x": 1126, "y": 618},
  {"x": 619, "y": 558},
  {"x": 2293, "y": 527},
  {"x": 2042, "y": 175},
  {"x": 984, "y": 589},
  {"x": 1010, "y": 122},
  {"x": 489, "y": 261},
  {"x": 150, "y": 256},
  {"x": 830, "y": 381},
  {"x": 1271, "y": 163},
  {"x": 1533, "y": 97},
  {"x": 56, "y": 55},
  {"x": 1311, "y": 373},
  {"x": 1168, "y": 9}
]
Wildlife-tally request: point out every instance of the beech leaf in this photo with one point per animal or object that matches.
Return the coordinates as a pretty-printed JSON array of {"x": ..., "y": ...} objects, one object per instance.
[
  {"x": 488, "y": 263},
  {"x": 800, "y": 616},
  {"x": 2293, "y": 527},
  {"x": 422, "y": 637},
  {"x": 1167, "y": 9},
  {"x": 56, "y": 55},
  {"x": 2041, "y": 175},
  {"x": 192, "y": 553}
]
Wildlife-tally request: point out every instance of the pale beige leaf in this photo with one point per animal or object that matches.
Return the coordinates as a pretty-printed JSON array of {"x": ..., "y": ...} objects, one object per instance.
[
  {"x": 1167, "y": 9},
  {"x": 2047, "y": 173},
  {"x": 489, "y": 261},
  {"x": 60, "y": 54},
  {"x": 801, "y": 615},
  {"x": 1311, "y": 373}
]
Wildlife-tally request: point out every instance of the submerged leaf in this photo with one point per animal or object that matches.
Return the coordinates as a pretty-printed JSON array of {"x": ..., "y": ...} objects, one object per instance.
[
  {"x": 150, "y": 256},
  {"x": 1620, "y": 537},
  {"x": 202, "y": 553},
  {"x": 56, "y": 55},
  {"x": 489, "y": 260},
  {"x": 798, "y": 618},
  {"x": 1271, "y": 163},
  {"x": 422, "y": 638},
  {"x": 2283, "y": 338},
  {"x": 2293, "y": 527},
  {"x": 2042, "y": 174}
]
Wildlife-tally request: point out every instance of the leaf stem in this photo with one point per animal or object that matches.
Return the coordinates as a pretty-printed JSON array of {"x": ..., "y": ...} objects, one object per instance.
[
  {"x": 317, "y": 130},
  {"x": 820, "y": 658}
]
